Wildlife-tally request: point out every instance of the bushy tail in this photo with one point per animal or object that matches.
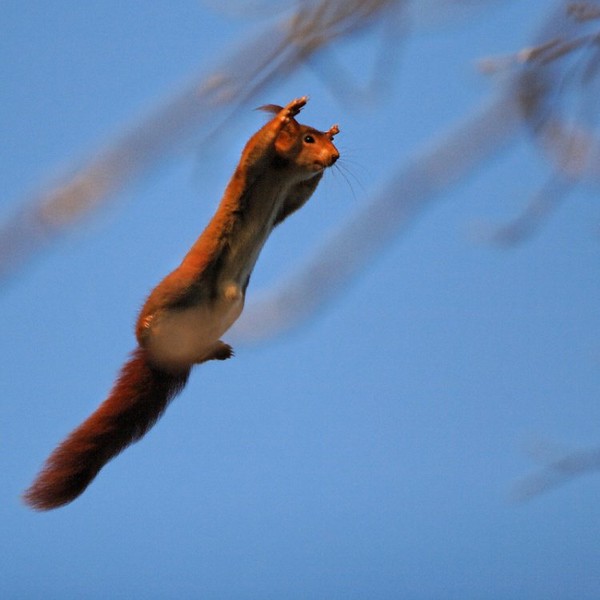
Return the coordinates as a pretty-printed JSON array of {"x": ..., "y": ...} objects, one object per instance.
[{"x": 135, "y": 403}]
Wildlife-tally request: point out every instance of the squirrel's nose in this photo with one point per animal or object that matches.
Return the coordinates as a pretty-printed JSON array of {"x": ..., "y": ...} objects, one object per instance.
[{"x": 334, "y": 157}]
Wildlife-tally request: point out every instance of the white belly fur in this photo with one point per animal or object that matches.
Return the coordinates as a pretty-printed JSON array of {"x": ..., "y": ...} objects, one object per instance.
[{"x": 180, "y": 338}]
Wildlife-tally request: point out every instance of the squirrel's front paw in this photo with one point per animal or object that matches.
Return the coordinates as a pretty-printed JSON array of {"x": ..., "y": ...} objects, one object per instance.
[{"x": 295, "y": 106}]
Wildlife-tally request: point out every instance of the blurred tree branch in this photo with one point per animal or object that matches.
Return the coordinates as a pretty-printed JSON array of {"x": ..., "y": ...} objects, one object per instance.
[{"x": 557, "y": 471}]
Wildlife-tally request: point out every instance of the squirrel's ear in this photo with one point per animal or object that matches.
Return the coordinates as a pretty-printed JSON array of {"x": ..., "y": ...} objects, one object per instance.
[
  {"x": 332, "y": 131},
  {"x": 288, "y": 137},
  {"x": 271, "y": 108}
]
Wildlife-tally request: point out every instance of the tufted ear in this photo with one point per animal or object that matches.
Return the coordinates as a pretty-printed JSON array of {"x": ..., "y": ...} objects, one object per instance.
[
  {"x": 271, "y": 108},
  {"x": 332, "y": 131}
]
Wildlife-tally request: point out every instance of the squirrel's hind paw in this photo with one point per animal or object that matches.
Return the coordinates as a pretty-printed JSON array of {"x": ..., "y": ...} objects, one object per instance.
[{"x": 222, "y": 351}]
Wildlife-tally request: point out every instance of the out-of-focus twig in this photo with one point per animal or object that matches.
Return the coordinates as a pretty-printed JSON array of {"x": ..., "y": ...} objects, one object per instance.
[
  {"x": 583, "y": 11},
  {"x": 558, "y": 80},
  {"x": 557, "y": 472},
  {"x": 542, "y": 204}
]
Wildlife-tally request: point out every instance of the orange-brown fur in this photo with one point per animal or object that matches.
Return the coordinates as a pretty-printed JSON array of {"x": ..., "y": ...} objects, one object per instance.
[
  {"x": 279, "y": 170},
  {"x": 137, "y": 400}
]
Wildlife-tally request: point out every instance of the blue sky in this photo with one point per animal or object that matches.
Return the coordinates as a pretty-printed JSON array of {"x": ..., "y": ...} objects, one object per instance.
[{"x": 371, "y": 452}]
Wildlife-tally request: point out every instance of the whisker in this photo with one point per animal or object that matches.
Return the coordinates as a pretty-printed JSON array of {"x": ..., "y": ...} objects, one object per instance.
[{"x": 345, "y": 173}]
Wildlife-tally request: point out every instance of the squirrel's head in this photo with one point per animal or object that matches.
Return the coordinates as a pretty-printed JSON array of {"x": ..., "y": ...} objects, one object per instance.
[{"x": 305, "y": 148}]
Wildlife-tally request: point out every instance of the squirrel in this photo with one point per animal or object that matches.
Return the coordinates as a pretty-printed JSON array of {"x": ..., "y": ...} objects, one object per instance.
[{"x": 184, "y": 317}]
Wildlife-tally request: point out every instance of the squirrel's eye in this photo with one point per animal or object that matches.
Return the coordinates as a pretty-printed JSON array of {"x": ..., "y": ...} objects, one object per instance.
[{"x": 309, "y": 139}]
